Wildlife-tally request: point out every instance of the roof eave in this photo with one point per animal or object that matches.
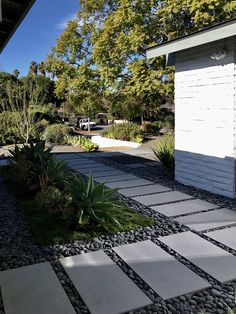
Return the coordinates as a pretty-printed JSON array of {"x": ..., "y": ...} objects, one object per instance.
[
  {"x": 221, "y": 31},
  {"x": 27, "y": 9}
]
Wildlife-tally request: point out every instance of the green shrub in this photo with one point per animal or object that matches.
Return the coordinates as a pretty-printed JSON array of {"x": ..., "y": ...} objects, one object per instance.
[
  {"x": 91, "y": 205},
  {"x": 153, "y": 128},
  {"x": 125, "y": 132},
  {"x": 89, "y": 146},
  {"x": 41, "y": 127},
  {"x": 56, "y": 133},
  {"x": 11, "y": 131},
  {"x": 164, "y": 150},
  {"x": 82, "y": 142}
]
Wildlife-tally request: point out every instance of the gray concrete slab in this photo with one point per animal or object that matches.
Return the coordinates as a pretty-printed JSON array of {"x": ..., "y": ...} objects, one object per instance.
[
  {"x": 94, "y": 170},
  {"x": 118, "y": 178},
  {"x": 128, "y": 184},
  {"x": 224, "y": 236},
  {"x": 3, "y": 162},
  {"x": 93, "y": 165},
  {"x": 72, "y": 156},
  {"x": 167, "y": 197},
  {"x": 162, "y": 272},
  {"x": 144, "y": 190},
  {"x": 33, "y": 290},
  {"x": 81, "y": 162},
  {"x": 136, "y": 165},
  {"x": 213, "y": 260},
  {"x": 103, "y": 286},
  {"x": 152, "y": 163},
  {"x": 110, "y": 173},
  {"x": 184, "y": 208},
  {"x": 209, "y": 220}
]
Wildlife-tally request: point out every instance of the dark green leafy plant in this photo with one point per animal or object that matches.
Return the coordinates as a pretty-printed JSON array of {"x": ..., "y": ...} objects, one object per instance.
[
  {"x": 164, "y": 150},
  {"x": 56, "y": 133},
  {"x": 153, "y": 128},
  {"x": 91, "y": 204}
]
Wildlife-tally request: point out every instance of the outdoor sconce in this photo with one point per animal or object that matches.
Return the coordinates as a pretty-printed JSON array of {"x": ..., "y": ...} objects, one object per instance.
[{"x": 219, "y": 54}]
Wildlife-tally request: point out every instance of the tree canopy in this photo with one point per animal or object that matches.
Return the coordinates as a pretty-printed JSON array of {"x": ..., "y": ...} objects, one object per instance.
[{"x": 99, "y": 60}]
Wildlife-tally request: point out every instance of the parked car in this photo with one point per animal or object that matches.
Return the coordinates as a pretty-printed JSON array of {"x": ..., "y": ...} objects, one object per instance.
[{"x": 83, "y": 124}]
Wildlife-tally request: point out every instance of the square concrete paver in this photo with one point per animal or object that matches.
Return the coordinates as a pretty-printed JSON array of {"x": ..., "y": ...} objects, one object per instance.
[
  {"x": 128, "y": 184},
  {"x": 162, "y": 272},
  {"x": 118, "y": 178},
  {"x": 102, "y": 170},
  {"x": 67, "y": 156},
  {"x": 144, "y": 190},
  {"x": 213, "y": 260},
  {"x": 93, "y": 165},
  {"x": 81, "y": 162},
  {"x": 162, "y": 198},
  {"x": 103, "y": 286},
  {"x": 3, "y": 162},
  {"x": 224, "y": 236},
  {"x": 110, "y": 173},
  {"x": 209, "y": 220},
  {"x": 136, "y": 165},
  {"x": 183, "y": 208},
  {"x": 33, "y": 290}
]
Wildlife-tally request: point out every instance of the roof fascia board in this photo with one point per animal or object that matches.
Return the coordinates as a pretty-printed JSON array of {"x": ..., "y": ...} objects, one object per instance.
[
  {"x": 194, "y": 40},
  {"x": 26, "y": 10}
]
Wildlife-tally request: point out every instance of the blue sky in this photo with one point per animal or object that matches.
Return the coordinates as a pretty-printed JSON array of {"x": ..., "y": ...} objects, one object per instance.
[{"x": 37, "y": 34}]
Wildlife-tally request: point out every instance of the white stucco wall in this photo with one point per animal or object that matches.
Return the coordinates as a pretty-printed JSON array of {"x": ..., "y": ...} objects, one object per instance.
[{"x": 205, "y": 103}]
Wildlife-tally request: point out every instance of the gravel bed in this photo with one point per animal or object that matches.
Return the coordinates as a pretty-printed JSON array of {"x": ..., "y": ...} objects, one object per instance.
[{"x": 18, "y": 248}]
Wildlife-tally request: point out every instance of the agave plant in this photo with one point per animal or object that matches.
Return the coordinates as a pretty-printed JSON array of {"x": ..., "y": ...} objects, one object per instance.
[
  {"x": 91, "y": 203},
  {"x": 34, "y": 153}
]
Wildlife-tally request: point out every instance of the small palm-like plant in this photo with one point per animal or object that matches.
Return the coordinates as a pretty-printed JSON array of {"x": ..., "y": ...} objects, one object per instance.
[
  {"x": 51, "y": 200},
  {"x": 91, "y": 204},
  {"x": 54, "y": 172},
  {"x": 164, "y": 150}
]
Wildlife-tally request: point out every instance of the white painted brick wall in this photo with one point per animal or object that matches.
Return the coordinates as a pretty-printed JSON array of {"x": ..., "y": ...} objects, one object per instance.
[{"x": 205, "y": 124}]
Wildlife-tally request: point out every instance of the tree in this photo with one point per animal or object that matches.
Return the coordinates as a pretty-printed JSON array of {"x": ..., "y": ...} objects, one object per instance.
[
  {"x": 33, "y": 70},
  {"x": 16, "y": 73},
  {"x": 78, "y": 80},
  {"x": 102, "y": 55},
  {"x": 41, "y": 68}
]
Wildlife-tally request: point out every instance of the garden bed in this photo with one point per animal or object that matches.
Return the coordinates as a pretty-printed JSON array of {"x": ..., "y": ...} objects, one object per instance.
[{"x": 50, "y": 229}]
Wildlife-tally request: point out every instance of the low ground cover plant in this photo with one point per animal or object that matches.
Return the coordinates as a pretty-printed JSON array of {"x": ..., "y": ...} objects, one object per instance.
[
  {"x": 164, "y": 150},
  {"x": 82, "y": 142},
  {"x": 126, "y": 132},
  {"x": 59, "y": 204}
]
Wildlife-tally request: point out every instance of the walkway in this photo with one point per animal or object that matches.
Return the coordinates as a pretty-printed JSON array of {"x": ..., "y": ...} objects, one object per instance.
[{"x": 175, "y": 265}]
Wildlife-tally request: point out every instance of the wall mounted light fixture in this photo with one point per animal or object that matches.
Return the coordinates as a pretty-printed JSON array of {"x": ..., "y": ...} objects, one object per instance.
[{"x": 218, "y": 54}]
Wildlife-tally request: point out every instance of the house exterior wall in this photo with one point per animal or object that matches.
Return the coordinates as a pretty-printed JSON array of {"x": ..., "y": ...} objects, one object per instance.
[{"x": 205, "y": 118}]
